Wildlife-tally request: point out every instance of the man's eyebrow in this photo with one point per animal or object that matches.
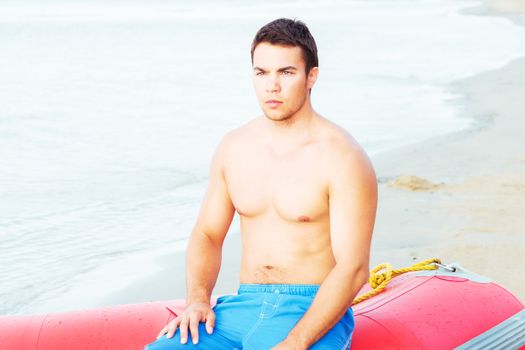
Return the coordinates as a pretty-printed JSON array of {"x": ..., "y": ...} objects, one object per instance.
[
  {"x": 287, "y": 68},
  {"x": 279, "y": 70}
]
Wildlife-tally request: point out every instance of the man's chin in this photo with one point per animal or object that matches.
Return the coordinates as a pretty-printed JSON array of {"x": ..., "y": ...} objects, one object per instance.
[{"x": 277, "y": 117}]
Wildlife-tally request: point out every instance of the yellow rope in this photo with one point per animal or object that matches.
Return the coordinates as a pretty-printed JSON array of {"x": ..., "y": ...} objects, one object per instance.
[{"x": 379, "y": 279}]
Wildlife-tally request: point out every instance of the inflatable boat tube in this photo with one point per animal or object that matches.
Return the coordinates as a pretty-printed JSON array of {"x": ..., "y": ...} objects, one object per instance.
[{"x": 439, "y": 309}]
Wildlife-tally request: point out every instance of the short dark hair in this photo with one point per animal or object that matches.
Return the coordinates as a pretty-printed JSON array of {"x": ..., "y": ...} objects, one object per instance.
[{"x": 289, "y": 32}]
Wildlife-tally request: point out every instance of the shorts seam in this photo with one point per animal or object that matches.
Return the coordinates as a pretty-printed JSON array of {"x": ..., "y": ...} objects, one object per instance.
[
  {"x": 275, "y": 306},
  {"x": 252, "y": 330}
]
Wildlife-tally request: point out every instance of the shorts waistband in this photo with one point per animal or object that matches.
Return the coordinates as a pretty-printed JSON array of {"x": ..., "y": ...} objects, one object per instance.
[{"x": 292, "y": 289}]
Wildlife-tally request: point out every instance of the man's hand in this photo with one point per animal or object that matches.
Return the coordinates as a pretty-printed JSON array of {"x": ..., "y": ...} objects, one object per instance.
[{"x": 190, "y": 319}]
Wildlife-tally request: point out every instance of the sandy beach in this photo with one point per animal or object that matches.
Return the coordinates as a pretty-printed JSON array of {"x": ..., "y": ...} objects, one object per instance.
[
  {"x": 461, "y": 197},
  {"x": 458, "y": 197}
]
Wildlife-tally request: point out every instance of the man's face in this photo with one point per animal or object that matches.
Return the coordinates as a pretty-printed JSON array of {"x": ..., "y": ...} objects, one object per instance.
[{"x": 280, "y": 80}]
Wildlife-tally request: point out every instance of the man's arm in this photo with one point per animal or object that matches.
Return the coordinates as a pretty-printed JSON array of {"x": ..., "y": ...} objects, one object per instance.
[
  {"x": 204, "y": 253},
  {"x": 353, "y": 203}
]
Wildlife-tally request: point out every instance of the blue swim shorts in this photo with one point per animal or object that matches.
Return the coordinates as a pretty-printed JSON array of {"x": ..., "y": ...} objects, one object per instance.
[{"x": 258, "y": 318}]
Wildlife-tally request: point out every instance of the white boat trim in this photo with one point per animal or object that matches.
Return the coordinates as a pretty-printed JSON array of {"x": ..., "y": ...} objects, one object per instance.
[
  {"x": 508, "y": 335},
  {"x": 455, "y": 270}
]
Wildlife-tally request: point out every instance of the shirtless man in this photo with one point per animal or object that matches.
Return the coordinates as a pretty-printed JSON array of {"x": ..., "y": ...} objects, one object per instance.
[{"x": 306, "y": 195}]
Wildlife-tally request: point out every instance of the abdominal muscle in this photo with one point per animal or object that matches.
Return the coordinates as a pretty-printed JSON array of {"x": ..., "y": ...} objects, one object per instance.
[{"x": 285, "y": 253}]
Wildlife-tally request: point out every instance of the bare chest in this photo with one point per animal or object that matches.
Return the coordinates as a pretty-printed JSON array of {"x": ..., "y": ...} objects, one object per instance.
[{"x": 291, "y": 186}]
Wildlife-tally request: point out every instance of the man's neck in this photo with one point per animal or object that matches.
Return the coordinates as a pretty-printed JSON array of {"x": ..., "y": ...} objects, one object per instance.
[{"x": 288, "y": 134}]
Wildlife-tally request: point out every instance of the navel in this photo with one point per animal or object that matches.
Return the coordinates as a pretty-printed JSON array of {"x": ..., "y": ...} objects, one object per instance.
[
  {"x": 268, "y": 267},
  {"x": 303, "y": 219}
]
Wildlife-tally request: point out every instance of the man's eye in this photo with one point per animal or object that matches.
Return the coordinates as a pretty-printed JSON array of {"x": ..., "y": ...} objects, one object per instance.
[
  {"x": 287, "y": 72},
  {"x": 259, "y": 73}
]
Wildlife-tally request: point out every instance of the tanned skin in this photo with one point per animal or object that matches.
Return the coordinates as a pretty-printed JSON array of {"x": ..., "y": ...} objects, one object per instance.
[{"x": 306, "y": 195}]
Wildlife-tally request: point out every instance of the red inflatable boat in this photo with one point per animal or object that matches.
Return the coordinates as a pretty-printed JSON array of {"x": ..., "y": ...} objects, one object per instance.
[{"x": 447, "y": 308}]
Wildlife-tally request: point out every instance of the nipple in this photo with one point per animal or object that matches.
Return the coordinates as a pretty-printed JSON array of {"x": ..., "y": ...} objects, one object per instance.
[{"x": 303, "y": 219}]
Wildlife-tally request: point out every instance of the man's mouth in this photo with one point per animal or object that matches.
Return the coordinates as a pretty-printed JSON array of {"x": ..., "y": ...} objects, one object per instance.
[{"x": 273, "y": 103}]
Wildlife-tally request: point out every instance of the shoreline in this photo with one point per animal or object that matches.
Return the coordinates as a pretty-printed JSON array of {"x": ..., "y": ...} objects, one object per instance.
[
  {"x": 455, "y": 196},
  {"x": 460, "y": 197},
  {"x": 451, "y": 196}
]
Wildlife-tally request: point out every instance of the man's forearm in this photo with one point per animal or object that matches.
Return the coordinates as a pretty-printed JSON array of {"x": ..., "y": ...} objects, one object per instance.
[
  {"x": 203, "y": 262},
  {"x": 332, "y": 300}
]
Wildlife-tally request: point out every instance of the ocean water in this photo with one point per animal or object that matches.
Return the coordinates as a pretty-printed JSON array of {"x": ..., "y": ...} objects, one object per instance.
[{"x": 110, "y": 112}]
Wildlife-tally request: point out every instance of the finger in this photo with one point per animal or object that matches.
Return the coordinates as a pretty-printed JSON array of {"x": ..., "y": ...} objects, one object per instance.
[
  {"x": 183, "y": 329},
  {"x": 194, "y": 329},
  {"x": 172, "y": 327},
  {"x": 210, "y": 322},
  {"x": 162, "y": 332}
]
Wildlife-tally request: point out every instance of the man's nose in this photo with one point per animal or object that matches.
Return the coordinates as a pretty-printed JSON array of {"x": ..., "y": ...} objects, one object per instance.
[{"x": 273, "y": 85}]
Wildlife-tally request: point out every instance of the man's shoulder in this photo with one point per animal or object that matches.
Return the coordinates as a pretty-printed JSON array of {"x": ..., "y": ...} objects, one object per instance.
[
  {"x": 341, "y": 150},
  {"x": 240, "y": 136},
  {"x": 338, "y": 141}
]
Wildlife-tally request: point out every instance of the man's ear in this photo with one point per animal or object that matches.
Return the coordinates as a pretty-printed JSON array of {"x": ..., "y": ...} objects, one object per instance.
[{"x": 312, "y": 77}]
